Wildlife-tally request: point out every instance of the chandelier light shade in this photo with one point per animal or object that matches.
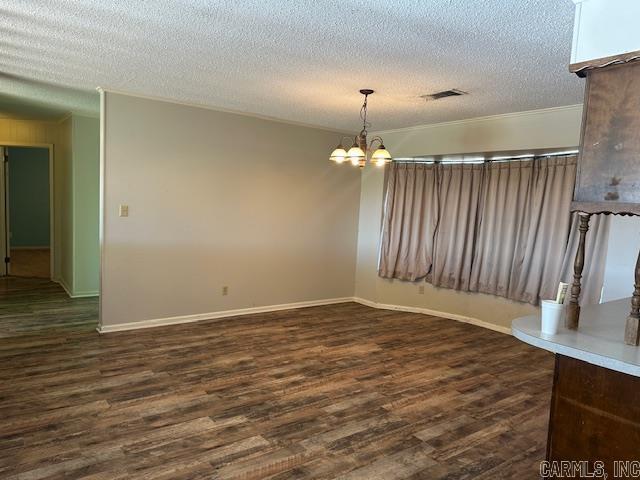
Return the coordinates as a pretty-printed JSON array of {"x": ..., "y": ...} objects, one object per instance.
[
  {"x": 361, "y": 149},
  {"x": 339, "y": 155},
  {"x": 381, "y": 156},
  {"x": 356, "y": 155}
]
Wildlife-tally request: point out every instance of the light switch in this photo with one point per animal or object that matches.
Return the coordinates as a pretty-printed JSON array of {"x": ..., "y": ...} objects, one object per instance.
[{"x": 124, "y": 210}]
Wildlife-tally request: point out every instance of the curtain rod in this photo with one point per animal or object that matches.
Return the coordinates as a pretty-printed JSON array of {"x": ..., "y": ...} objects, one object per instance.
[{"x": 478, "y": 159}]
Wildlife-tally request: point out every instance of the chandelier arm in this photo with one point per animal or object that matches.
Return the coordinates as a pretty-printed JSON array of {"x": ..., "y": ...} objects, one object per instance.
[
  {"x": 349, "y": 137},
  {"x": 374, "y": 139}
]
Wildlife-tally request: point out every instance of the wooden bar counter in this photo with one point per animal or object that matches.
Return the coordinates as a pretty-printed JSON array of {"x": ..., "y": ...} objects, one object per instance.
[{"x": 595, "y": 406}]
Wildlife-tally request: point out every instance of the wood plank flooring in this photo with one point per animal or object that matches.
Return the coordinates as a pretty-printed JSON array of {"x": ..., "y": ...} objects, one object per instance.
[
  {"x": 334, "y": 392},
  {"x": 31, "y": 262},
  {"x": 32, "y": 305}
]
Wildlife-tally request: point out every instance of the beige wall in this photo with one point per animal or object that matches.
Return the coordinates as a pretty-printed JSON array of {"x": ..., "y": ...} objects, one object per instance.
[
  {"x": 220, "y": 199},
  {"x": 202, "y": 216},
  {"x": 550, "y": 128},
  {"x": 547, "y": 128},
  {"x": 28, "y": 131}
]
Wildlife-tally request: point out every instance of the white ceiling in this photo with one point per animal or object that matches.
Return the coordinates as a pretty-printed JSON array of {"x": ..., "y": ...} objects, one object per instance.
[{"x": 298, "y": 60}]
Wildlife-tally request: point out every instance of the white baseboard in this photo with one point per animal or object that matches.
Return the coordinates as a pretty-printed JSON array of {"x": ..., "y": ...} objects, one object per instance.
[
  {"x": 63, "y": 284},
  {"x": 66, "y": 288},
  {"x": 161, "y": 322},
  {"x": 435, "y": 313},
  {"x": 85, "y": 294}
]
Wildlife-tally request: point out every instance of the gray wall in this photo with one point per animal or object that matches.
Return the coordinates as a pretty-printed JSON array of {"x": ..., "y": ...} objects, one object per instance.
[{"x": 218, "y": 199}]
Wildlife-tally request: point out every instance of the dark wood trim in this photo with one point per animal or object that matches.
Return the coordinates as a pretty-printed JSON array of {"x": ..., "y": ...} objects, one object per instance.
[
  {"x": 632, "y": 329},
  {"x": 552, "y": 409},
  {"x": 583, "y": 125},
  {"x": 614, "y": 208},
  {"x": 573, "y": 309},
  {"x": 581, "y": 68}
]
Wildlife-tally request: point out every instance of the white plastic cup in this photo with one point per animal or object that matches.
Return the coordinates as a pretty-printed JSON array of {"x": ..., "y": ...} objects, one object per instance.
[{"x": 552, "y": 314}]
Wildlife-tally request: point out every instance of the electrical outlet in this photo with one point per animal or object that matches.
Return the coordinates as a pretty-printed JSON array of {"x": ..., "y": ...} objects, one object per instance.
[
  {"x": 124, "y": 210},
  {"x": 225, "y": 291},
  {"x": 421, "y": 290}
]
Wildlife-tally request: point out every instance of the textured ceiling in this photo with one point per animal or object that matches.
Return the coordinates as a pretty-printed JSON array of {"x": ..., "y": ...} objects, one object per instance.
[{"x": 298, "y": 60}]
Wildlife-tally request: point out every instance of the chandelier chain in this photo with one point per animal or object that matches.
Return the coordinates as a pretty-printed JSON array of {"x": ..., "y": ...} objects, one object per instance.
[{"x": 363, "y": 115}]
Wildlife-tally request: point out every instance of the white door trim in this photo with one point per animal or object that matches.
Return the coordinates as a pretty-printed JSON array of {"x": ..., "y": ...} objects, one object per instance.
[{"x": 4, "y": 267}]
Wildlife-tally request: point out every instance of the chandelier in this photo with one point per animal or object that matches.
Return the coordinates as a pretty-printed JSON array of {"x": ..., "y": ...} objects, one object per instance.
[{"x": 357, "y": 154}]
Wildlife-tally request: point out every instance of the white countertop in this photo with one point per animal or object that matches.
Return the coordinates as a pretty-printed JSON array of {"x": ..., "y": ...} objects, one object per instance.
[{"x": 599, "y": 339}]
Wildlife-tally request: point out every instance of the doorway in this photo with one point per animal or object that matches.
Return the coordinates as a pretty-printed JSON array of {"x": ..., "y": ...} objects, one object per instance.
[{"x": 26, "y": 212}]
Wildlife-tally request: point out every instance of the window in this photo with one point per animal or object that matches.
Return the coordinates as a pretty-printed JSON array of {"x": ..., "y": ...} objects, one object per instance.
[{"x": 494, "y": 227}]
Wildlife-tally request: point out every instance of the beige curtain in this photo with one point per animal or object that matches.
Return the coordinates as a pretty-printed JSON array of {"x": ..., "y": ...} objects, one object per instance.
[
  {"x": 595, "y": 257},
  {"x": 409, "y": 223},
  {"x": 459, "y": 192},
  {"x": 524, "y": 228},
  {"x": 498, "y": 228}
]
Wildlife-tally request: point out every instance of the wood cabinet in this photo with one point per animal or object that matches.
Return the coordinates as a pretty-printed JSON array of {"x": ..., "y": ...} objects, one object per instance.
[{"x": 595, "y": 415}]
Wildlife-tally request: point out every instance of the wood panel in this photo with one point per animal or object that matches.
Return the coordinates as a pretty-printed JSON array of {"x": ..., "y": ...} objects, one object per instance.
[
  {"x": 582, "y": 68},
  {"x": 607, "y": 208},
  {"x": 342, "y": 391},
  {"x": 595, "y": 414},
  {"x": 609, "y": 168}
]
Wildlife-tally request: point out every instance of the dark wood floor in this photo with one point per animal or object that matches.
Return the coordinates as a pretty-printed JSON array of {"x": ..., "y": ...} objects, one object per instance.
[
  {"x": 38, "y": 306},
  {"x": 31, "y": 262},
  {"x": 342, "y": 391}
]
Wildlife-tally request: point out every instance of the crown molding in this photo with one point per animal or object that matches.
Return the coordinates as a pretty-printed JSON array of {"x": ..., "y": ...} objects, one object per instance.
[
  {"x": 488, "y": 118},
  {"x": 103, "y": 90}
]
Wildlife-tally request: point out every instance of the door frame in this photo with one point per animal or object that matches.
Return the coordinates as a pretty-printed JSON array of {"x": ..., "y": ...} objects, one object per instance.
[
  {"x": 52, "y": 251},
  {"x": 4, "y": 221}
]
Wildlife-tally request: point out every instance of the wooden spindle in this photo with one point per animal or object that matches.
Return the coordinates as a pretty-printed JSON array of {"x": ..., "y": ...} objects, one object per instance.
[
  {"x": 632, "y": 330},
  {"x": 573, "y": 309}
]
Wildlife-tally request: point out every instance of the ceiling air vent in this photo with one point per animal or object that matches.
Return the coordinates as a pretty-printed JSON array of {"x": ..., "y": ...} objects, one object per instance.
[{"x": 444, "y": 94}]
